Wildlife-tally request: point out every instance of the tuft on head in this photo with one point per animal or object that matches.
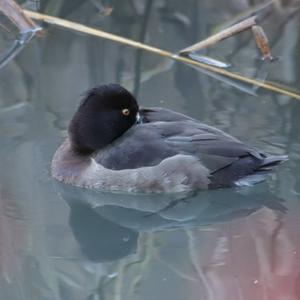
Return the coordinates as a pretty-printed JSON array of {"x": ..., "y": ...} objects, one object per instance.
[{"x": 104, "y": 114}]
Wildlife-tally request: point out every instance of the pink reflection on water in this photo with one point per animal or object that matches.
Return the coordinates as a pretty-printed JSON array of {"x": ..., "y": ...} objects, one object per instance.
[{"x": 252, "y": 258}]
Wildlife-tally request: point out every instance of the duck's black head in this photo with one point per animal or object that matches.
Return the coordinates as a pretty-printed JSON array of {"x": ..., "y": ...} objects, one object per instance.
[{"x": 105, "y": 113}]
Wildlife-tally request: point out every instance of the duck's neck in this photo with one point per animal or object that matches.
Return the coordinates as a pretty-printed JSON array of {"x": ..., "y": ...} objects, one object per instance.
[
  {"x": 80, "y": 150},
  {"x": 68, "y": 163}
]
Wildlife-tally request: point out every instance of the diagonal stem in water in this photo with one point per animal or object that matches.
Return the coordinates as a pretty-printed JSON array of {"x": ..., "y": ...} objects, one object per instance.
[
  {"x": 222, "y": 35},
  {"x": 25, "y": 25}
]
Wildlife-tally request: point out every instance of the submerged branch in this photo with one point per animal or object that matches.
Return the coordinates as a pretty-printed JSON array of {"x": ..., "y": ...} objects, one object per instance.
[
  {"x": 15, "y": 13},
  {"x": 262, "y": 42},
  {"x": 259, "y": 10},
  {"x": 222, "y": 35},
  {"x": 99, "y": 33},
  {"x": 25, "y": 25}
]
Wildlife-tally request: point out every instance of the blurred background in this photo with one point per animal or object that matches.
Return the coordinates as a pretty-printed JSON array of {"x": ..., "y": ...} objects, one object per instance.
[{"x": 60, "y": 242}]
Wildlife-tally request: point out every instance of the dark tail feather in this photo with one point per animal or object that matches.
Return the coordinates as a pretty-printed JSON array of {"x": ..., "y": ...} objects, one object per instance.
[{"x": 271, "y": 161}]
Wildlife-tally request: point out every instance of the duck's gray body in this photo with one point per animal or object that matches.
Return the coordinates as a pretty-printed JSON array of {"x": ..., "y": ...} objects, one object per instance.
[{"x": 167, "y": 152}]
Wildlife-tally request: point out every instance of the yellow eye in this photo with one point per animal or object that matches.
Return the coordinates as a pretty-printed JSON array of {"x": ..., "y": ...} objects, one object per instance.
[{"x": 126, "y": 112}]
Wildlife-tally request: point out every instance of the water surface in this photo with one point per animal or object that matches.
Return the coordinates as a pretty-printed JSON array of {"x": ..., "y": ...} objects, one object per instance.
[{"x": 60, "y": 242}]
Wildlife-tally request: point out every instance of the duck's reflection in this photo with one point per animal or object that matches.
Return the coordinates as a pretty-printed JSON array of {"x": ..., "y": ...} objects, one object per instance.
[
  {"x": 223, "y": 244},
  {"x": 99, "y": 238},
  {"x": 107, "y": 226}
]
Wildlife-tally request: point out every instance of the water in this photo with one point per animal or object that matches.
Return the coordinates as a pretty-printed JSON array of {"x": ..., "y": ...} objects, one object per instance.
[{"x": 61, "y": 242}]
